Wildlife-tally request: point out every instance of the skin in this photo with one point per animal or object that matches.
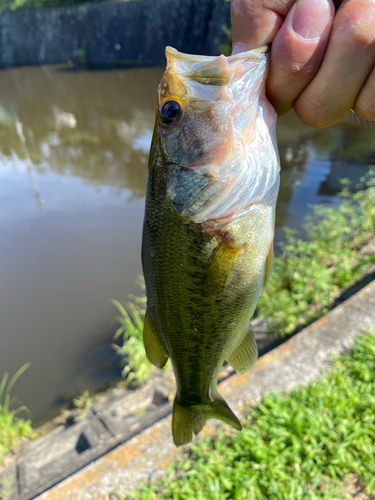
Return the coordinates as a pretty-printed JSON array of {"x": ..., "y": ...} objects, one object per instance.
[
  {"x": 203, "y": 279},
  {"x": 322, "y": 54}
]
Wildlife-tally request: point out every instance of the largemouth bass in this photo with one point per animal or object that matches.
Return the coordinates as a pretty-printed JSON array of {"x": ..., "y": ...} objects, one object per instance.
[{"x": 208, "y": 231}]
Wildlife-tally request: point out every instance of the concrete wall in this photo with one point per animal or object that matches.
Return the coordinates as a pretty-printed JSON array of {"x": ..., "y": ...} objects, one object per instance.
[{"x": 112, "y": 33}]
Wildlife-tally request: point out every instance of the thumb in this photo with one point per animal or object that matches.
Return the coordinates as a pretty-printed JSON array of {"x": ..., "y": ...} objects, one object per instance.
[{"x": 256, "y": 22}]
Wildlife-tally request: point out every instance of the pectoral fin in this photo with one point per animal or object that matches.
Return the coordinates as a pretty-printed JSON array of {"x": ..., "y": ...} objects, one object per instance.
[
  {"x": 221, "y": 265},
  {"x": 245, "y": 354},
  {"x": 154, "y": 350},
  {"x": 268, "y": 267}
]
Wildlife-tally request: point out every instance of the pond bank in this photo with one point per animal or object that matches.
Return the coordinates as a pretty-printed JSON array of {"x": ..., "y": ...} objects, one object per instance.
[
  {"x": 61, "y": 263},
  {"x": 111, "y": 34},
  {"x": 298, "y": 361},
  {"x": 128, "y": 422}
]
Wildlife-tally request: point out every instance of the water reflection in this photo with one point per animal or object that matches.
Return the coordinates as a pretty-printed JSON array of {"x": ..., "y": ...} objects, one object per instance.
[
  {"x": 73, "y": 163},
  {"x": 314, "y": 160},
  {"x": 96, "y": 126}
]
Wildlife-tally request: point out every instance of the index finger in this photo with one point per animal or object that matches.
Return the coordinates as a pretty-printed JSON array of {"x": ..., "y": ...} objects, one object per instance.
[{"x": 256, "y": 22}]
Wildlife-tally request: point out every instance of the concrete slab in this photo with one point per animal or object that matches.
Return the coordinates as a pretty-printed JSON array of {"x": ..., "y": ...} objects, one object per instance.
[
  {"x": 300, "y": 360},
  {"x": 50, "y": 460},
  {"x": 115, "y": 417},
  {"x": 9, "y": 484}
]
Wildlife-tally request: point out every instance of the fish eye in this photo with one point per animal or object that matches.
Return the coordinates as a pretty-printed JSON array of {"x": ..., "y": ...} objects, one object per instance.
[{"x": 170, "y": 112}]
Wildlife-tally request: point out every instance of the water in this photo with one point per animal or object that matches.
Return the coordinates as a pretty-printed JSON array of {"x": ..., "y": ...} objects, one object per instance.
[{"x": 73, "y": 160}]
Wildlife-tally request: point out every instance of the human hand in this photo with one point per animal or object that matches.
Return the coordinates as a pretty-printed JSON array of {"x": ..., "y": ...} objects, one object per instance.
[{"x": 322, "y": 61}]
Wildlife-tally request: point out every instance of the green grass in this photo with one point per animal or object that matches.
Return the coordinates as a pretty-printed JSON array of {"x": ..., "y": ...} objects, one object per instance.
[
  {"x": 137, "y": 368},
  {"x": 304, "y": 445},
  {"x": 309, "y": 272},
  {"x": 79, "y": 409},
  {"x": 12, "y": 427}
]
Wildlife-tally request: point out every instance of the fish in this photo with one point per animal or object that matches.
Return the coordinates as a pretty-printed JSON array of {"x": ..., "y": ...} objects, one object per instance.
[{"x": 207, "y": 246}]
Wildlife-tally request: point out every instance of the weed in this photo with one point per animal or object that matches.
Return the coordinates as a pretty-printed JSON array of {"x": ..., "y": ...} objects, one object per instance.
[
  {"x": 301, "y": 445},
  {"x": 307, "y": 275},
  {"x": 83, "y": 402},
  {"x": 137, "y": 367},
  {"x": 7, "y": 488},
  {"x": 142, "y": 412},
  {"x": 226, "y": 46},
  {"x": 80, "y": 408},
  {"x": 12, "y": 427}
]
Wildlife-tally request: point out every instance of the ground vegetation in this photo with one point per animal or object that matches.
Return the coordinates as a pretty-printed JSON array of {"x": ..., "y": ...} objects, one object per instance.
[{"x": 314, "y": 443}]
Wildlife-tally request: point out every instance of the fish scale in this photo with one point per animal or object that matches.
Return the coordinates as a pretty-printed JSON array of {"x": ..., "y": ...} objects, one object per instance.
[{"x": 204, "y": 277}]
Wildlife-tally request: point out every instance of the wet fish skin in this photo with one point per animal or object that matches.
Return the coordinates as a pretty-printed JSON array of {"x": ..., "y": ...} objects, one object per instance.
[{"x": 208, "y": 228}]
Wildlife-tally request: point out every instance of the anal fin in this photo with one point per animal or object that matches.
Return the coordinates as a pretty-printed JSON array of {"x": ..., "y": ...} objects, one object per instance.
[
  {"x": 182, "y": 424},
  {"x": 245, "y": 354},
  {"x": 268, "y": 267},
  {"x": 154, "y": 350}
]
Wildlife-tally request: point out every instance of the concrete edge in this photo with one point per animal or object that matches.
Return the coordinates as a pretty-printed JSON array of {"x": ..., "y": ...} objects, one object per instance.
[{"x": 301, "y": 359}]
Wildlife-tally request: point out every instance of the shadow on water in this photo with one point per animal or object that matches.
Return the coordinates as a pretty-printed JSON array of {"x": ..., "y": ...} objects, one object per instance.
[{"x": 73, "y": 162}]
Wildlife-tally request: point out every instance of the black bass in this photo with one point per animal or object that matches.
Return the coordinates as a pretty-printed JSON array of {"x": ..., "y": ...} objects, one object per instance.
[{"x": 208, "y": 232}]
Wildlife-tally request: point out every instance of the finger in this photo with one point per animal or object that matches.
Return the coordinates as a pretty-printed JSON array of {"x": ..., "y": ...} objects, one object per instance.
[
  {"x": 347, "y": 63},
  {"x": 365, "y": 103},
  {"x": 298, "y": 50},
  {"x": 256, "y": 22}
]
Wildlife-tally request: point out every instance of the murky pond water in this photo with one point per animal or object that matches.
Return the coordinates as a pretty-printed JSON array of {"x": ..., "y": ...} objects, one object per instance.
[{"x": 73, "y": 160}]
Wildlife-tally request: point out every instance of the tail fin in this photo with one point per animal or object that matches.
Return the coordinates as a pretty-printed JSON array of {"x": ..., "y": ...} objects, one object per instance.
[{"x": 189, "y": 419}]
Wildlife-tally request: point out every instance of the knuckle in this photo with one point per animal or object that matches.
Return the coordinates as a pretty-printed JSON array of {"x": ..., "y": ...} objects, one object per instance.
[
  {"x": 316, "y": 113},
  {"x": 354, "y": 24},
  {"x": 364, "y": 106},
  {"x": 361, "y": 36}
]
